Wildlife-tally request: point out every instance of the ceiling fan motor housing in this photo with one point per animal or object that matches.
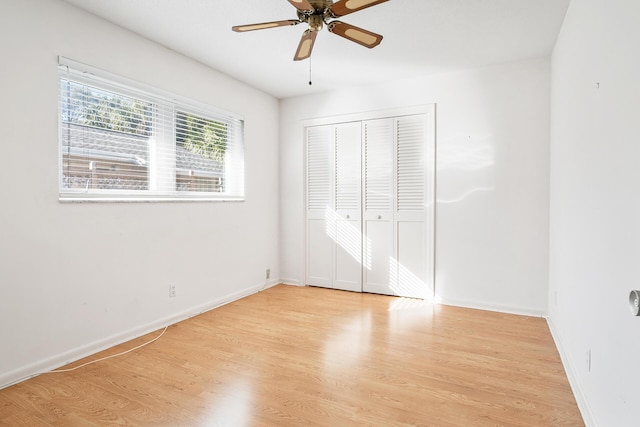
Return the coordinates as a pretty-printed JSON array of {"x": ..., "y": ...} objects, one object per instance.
[
  {"x": 320, "y": 5},
  {"x": 315, "y": 22},
  {"x": 316, "y": 17}
]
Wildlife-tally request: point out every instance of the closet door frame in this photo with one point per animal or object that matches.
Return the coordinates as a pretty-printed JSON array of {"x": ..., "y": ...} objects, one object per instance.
[{"x": 430, "y": 177}]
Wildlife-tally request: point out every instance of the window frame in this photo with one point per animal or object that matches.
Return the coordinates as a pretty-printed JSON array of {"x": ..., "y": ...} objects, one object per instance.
[{"x": 233, "y": 164}]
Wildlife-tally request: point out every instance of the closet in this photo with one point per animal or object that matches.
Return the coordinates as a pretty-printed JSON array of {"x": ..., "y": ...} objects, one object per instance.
[{"x": 370, "y": 203}]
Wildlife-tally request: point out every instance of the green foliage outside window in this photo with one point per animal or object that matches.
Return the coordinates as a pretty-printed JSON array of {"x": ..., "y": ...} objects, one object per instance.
[
  {"x": 93, "y": 107},
  {"x": 87, "y": 106},
  {"x": 201, "y": 136}
]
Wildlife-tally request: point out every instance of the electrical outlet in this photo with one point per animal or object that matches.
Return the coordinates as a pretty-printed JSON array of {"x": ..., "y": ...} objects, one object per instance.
[
  {"x": 172, "y": 291},
  {"x": 268, "y": 273}
]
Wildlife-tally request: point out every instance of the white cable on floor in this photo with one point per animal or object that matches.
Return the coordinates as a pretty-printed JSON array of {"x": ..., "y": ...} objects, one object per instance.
[{"x": 57, "y": 371}]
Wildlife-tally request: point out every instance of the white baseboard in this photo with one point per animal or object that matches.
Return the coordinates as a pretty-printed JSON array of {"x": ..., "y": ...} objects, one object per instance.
[
  {"x": 294, "y": 282},
  {"x": 23, "y": 373},
  {"x": 271, "y": 283},
  {"x": 581, "y": 399},
  {"x": 522, "y": 311}
]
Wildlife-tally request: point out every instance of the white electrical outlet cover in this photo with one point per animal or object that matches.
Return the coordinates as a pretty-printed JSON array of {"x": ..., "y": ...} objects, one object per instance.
[{"x": 634, "y": 302}]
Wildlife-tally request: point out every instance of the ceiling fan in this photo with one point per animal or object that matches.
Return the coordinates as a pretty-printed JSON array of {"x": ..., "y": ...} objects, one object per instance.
[{"x": 315, "y": 13}]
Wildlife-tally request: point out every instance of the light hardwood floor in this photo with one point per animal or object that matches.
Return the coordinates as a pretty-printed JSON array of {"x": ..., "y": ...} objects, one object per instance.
[{"x": 308, "y": 356}]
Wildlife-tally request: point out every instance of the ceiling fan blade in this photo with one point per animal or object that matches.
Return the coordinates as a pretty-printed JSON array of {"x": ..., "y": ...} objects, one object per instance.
[
  {"x": 301, "y": 4},
  {"x": 264, "y": 25},
  {"x": 345, "y": 7},
  {"x": 355, "y": 34},
  {"x": 306, "y": 45}
]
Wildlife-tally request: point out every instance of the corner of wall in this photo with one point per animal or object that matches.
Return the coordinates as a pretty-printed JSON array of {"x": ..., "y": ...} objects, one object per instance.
[{"x": 574, "y": 381}]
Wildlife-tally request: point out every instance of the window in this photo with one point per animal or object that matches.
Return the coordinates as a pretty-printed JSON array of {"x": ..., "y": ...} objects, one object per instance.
[{"x": 120, "y": 140}]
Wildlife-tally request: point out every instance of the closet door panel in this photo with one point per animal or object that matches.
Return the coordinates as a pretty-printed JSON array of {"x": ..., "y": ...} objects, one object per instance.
[
  {"x": 378, "y": 254},
  {"x": 348, "y": 224},
  {"x": 409, "y": 268},
  {"x": 319, "y": 170},
  {"x": 347, "y": 169},
  {"x": 319, "y": 253},
  {"x": 348, "y": 268},
  {"x": 319, "y": 200},
  {"x": 377, "y": 167},
  {"x": 410, "y": 166}
]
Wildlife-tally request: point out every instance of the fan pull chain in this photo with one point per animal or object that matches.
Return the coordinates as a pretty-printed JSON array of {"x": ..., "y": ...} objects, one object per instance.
[{"x": 310, "y": 82}]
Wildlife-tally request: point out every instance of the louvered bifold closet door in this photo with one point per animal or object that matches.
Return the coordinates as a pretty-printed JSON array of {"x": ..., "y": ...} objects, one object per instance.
[
  {"x": 409, "y": 268},
  {"x": 378, "y": 202},
  {"x": 370, "y": 203},
  {"x": 319, "y": 201},
  {"x": 347, "y": 214}
]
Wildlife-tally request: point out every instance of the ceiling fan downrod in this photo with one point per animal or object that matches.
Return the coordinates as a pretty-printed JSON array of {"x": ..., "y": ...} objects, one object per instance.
[{"x": 315, "y": 22}]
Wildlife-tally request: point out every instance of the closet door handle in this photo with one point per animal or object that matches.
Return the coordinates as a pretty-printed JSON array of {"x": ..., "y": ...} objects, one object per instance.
[
  {"x": 348, "y": 217},
  {"x": 379, "y": 216}
]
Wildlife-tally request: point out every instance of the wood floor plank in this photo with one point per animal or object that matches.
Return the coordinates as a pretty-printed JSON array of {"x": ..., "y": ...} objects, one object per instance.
[
  {"x": 311, "y": 356},
  {"x": 12, "y": 414}
]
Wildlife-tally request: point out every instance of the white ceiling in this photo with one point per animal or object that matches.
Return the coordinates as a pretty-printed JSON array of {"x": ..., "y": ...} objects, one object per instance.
[{"x": 420, "y": 37}]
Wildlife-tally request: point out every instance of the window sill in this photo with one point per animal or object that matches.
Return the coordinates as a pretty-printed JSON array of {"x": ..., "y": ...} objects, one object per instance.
[{"x": 84, "y": 198}]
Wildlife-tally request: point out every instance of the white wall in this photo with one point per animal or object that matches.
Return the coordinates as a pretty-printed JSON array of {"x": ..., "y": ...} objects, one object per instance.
[
  {"x": 492, "y": 179},
  {"x": 78, "y": 277},
  {"x": 595, "y": 206}
]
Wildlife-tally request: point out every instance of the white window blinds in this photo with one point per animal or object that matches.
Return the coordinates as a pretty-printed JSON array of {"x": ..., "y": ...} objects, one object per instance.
[{"x": 120, "y": 139}]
